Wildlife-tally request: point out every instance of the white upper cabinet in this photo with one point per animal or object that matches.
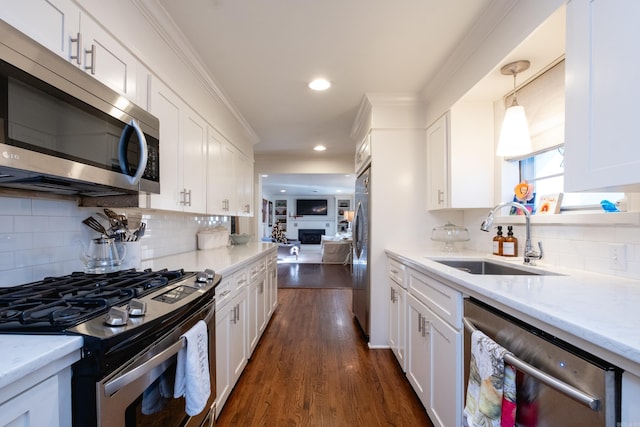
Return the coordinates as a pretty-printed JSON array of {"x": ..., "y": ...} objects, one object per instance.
[
  {"x": 460, "y": 158},
  {"x": 52, "y": 23},
  {"x": 183, "y": 158},
  {"x": 244, "y": 174},
  {"x": 601, "y": 147},
  {"x": 230, "y": 182},
  {"x": 62, "y": 27}
]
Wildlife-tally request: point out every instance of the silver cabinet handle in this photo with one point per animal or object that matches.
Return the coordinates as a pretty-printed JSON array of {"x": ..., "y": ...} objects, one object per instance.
[
  {"x": 92, "y": 65},
  {"x": 440, "y": 197},
  {"x": 78, "y": 41},
  {"x": 188, "y": 194},
  {"x": 419, "y": 322},
  {"x": 425, "y": 326},
  {"x": 587, "y": 400}
]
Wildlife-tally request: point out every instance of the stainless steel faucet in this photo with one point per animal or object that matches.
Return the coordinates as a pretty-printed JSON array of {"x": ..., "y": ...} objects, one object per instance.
[{"x": 530, "y": 255}]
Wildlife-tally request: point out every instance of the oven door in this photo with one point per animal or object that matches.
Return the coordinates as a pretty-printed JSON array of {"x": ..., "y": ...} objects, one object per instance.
[{"x": 141, "y": 393}]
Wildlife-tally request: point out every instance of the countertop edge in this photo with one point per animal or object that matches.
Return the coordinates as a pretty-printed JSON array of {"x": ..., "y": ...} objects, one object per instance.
[{"x": 600, "y": 340}]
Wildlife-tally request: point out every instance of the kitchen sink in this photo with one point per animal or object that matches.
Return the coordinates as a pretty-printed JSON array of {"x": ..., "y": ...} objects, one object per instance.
[{"x": 492, "y": 268}]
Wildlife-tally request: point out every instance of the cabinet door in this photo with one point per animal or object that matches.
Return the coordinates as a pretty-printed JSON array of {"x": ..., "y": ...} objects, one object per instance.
[
  {"x": 244, "y": 179},
  {"x": 257, "y": 316},
  {"x": 417, "y": 349},
  {"x": 35, "y": 407},
  {"x": 238, "y": 348},
  {"x": 601, "y": 149},
  {"x": 225, "y": 318},
  {"x": 52, "y": 23},
  {"x": 272, "y": 296},
  {"x": 106, "y": 59},
  {"x": 445, "y": 367},
  {"x": 194, "y": 167},
  {"x": 397, "y": 322},
  {"x": 165, "y": 105},
  {"x": 437, "y": 162}
]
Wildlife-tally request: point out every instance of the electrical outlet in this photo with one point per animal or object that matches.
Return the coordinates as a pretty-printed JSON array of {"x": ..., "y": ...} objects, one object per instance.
[{"x": 617, "y": 256}]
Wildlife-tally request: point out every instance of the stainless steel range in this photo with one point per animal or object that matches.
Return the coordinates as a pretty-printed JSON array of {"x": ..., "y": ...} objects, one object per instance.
[{"x": 131, "y": 322}]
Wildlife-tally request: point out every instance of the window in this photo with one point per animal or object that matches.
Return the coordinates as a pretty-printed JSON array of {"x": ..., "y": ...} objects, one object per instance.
[{"x": 545, "y": 170}]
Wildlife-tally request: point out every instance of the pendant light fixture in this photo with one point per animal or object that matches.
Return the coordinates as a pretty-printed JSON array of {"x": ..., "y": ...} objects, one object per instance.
[{"x": 514, "y": 135}]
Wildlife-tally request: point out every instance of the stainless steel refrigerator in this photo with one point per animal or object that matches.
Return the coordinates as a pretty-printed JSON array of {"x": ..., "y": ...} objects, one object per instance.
[{"x": 361, "y": 231}]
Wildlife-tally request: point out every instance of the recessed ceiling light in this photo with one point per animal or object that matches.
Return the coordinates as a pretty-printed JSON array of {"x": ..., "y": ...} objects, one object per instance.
[
  {"x": 283, "y": 191},
  {"x": 264, "y": 175},
  {"x": 319, "y": 148},
  {"x": 319, "y": 84}
]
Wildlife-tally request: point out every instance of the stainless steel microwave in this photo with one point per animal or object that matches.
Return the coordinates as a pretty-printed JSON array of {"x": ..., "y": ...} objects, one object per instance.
[{"x": 65, "y": 132}]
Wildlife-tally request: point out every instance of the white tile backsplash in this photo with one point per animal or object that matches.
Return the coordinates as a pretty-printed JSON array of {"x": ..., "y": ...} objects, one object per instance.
[
  {"x": 582, "y": 247},
  {"x": 40, "y": 237}
]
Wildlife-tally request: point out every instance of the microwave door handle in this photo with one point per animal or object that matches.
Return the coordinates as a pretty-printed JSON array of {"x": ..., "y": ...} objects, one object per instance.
[
  {"x": 127, "y": 378},
  {"x": 587, "y": 400},
  {"x": 122, "y": 152}
]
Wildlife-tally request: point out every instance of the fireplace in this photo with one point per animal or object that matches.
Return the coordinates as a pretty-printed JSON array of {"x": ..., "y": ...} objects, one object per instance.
[{"x": 310, "y": 236}]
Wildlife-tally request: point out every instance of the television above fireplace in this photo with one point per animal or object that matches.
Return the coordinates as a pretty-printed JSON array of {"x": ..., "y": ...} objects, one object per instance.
[{"x": 311, "y": 207}]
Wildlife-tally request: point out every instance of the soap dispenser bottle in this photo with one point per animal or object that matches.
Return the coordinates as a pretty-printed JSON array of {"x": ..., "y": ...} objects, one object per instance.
[
  {"x": 510, "y": 245},
  {"x": 498, "y": 241}
]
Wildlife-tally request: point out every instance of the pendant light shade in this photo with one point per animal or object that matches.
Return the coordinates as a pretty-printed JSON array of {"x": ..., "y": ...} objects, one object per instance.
[
  {"x": 514, "y": 135},
  {"x": 515, "y": 139}
]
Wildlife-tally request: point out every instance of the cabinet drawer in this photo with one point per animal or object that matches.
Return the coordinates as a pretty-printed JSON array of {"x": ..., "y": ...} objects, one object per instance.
[
  {"x": 396, "y": 272},
  {"x": 441, "y": 299},
  {"x": 224, "y": 292},
  {"x": 240, "y": 279},
  {"x": 256, "y": 269}
]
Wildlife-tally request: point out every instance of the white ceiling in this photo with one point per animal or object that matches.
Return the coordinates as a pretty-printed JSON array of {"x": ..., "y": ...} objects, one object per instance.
[
  {"x": 308, "y": 184},
  {"x": 263, "y": 53}
]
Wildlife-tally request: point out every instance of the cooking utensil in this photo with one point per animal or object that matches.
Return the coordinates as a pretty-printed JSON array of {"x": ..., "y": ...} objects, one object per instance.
[
  {"x": 121, "y": 219},
  {"x": 95, "y": 225},
  {"x": 137, "y": 235}
]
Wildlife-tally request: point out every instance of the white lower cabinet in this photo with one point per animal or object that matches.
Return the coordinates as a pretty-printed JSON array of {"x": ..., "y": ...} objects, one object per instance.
[
  {"x": 397, "y": 312},
  {"x": 630, "y": 413},
  {"x": 434, "y": 347},
  {"x": 37, "y": 406},
  {"x": 272, "y": 285},
  {"x": 242, "y": 313},
  {"x": 257, "y": 303},
  {"x": 231, "y": 337}
]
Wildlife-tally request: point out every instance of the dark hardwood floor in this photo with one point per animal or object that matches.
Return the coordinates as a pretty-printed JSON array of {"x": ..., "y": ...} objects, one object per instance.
[
  {"x": 314, "y": 276},
  {"x": 312, "y": 368}
]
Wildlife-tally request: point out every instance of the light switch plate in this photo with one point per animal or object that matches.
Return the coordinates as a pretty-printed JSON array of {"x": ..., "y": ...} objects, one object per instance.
[{"x": 617, "y": 256}]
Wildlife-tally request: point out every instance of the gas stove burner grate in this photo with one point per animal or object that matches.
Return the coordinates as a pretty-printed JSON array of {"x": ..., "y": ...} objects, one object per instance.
[{"x": 58, "y": 302}]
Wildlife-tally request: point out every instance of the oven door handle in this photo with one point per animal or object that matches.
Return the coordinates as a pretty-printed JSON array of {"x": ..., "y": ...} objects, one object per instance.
[
  {"x": 124, "y": 380},
  {"x": 585, "y": 399}
]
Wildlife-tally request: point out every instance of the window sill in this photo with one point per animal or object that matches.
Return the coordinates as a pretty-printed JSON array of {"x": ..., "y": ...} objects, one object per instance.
[{"x": 590, "y": 218}]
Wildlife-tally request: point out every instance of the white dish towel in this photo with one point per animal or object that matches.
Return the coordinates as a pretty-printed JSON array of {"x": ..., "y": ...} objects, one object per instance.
[
  {"x": 192, "y": 370},
  {"x": 486, "y": 381}
]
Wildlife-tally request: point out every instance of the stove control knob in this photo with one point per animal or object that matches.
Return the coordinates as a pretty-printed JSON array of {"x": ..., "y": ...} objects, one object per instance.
[
  {"x": 201, "y": 279},
  {"x": 137, "y": 307},
  {"x": 210, "y": 273},
  {"x": 116, "y": 317}
]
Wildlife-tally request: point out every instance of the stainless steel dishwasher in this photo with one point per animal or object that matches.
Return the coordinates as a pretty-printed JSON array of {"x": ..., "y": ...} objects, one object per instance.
[{"x": 559, "y": 384}]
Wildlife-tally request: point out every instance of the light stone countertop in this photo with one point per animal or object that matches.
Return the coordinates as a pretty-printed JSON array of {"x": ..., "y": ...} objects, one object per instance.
[
  {"x": 595, "y": 312},
  {"x": 22, "y": 355},
  {"x": 222, "y": 260}
]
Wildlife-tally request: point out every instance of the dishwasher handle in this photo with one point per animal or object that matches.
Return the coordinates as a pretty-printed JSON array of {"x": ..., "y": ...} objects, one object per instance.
[{"x": 585, "y": 399}]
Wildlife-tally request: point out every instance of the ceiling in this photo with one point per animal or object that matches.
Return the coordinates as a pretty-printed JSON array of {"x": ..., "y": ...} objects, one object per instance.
[
  {"x": 262, "y": 54},
  {"x": 308, "y": 184}
]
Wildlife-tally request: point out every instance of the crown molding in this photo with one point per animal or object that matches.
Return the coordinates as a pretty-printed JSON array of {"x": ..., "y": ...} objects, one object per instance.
[{"x": 168, "y": 30}]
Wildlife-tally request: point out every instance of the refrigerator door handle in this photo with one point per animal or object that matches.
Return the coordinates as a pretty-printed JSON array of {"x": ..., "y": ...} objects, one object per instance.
[{"x": 357, "y": 231}]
